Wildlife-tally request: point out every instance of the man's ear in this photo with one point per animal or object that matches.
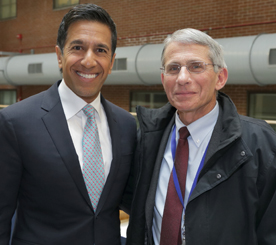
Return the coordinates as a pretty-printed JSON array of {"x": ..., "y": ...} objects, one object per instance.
[
  {"x": 162, "y": 78},
  {"x": 59, "y": 56},
  {"x": 222, "y": 79}
]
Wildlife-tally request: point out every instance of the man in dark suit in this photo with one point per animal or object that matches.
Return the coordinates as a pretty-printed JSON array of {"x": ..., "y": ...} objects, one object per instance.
[{"x": 43, "y": 162}]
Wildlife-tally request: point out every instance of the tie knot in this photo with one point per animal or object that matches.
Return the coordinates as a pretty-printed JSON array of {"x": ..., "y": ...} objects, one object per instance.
[
  {"x": 89, "y": 110},
  {"x": 183, "y": 133}
]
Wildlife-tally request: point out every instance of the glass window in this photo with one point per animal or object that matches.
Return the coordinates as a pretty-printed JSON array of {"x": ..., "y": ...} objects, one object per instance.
[
  {"x": 272, "y": 56},
  {"x": 153, "y": 99},
  {"x": 149, "y": 99},
  {"x": 120, "y": 64},
  {"x": 7, "y": 97},
  {"x": 262, "y": 106},
  {"x": 7, "y": 9},
  {"x": 64, "y": 3}
]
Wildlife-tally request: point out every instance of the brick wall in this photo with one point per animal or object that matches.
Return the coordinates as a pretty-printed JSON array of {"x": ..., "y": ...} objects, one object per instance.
[{"x": 140, "y": 22}]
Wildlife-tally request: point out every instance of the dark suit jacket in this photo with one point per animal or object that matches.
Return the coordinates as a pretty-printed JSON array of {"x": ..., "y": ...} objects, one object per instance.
[{"x": 40, "y": 175}]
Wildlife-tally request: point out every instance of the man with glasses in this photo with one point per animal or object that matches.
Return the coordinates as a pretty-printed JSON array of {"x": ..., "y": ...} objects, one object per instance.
[{"x": 205, "y": 175}]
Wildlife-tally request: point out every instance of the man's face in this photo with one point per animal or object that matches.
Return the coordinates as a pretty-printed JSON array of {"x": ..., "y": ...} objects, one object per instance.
[
  {"x": 193, "y": 95},
  {"x": 87, "y": 58}
]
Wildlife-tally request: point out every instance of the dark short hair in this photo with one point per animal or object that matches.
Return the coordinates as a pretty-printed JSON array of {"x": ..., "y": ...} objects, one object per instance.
[{"x": 89, "y": 12}]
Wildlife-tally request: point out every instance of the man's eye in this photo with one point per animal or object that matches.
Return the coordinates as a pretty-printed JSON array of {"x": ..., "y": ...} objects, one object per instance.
[
  {"x": 196, "y": 65},
  {"x": 101, "y": 50},
  {"x": 173, "y": 68},
  {"x": 77, "y": 48}
]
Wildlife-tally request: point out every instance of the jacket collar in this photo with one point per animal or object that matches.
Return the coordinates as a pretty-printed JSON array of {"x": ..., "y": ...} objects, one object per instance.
[
  {"x": 155, "y": 119},
  {"x": 227, "y": 128},
  {"x": 228, "y": 122},
  {"x": 51, "y": 97},
  {"x": 55, "y": 122}
]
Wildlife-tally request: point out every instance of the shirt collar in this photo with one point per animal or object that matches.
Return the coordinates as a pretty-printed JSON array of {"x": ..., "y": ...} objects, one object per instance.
[
  {"x": 200, "y": 128},
  {"x": 73, "y": 104}
]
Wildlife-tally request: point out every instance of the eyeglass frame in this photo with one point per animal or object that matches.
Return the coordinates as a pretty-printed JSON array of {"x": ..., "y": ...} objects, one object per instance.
[{"x": 191, "y": 72}]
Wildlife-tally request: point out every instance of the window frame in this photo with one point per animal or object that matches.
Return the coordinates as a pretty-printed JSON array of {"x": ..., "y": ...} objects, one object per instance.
[
  {"x": 10, "y": 4},
  {"x": 2, "y": 106},
  {"x": 151, "y": 92},
  {"x": 268, "y": 120},
  {"x": 64, "y": 6}
]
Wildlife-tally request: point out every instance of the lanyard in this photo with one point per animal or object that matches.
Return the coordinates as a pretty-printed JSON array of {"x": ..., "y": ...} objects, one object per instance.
[{"x": 175, "y": 178}]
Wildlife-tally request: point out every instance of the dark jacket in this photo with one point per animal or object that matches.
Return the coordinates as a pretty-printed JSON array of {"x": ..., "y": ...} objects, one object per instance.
[
  {"x": 40, "y": 175},
  {"x": 234, "y": 201}
]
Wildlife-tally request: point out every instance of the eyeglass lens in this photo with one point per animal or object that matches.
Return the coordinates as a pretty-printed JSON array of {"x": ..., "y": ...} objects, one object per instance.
[{"x": 194, "y": 67}]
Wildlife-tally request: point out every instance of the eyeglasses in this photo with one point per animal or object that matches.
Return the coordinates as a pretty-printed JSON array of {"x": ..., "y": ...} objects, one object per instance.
[{"x": 193, "y": 67}]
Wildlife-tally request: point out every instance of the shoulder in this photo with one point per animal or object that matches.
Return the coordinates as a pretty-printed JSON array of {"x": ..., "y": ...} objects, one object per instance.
[
  {"x": 119, "y": 113},
  {"x": 33, "y": 104},
  {"x": 254, "y": 122},
  {"x": 258, "y": 132},
  {"x": 249, "y": 123},
  {"x": 155, "y": 119},
  {"x": 22, "y": 108}
]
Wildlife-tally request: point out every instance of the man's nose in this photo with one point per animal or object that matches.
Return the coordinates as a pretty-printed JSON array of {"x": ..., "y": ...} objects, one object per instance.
[
  {"x": 183, "y": 75},
  {"x": 89, "y": 59}
]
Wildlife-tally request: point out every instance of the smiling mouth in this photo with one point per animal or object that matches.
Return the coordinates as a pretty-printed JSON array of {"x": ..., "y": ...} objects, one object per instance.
[
  {"x": 184, "y": 93},
  {"x": 87, "y": 75}
]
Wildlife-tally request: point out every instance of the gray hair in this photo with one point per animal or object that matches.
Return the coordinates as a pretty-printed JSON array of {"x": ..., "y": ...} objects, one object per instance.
[{"x": 192, "y": 36}]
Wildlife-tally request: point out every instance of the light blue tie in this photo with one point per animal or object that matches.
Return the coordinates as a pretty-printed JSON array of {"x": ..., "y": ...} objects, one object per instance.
[{"x": 93, "y": 167}]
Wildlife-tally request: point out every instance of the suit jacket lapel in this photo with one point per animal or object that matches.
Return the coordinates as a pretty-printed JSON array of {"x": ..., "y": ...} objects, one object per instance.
[
  {"x": 155, "y": 176},
  {"x": 116, "y": 152},
  {"x": 56, "y": 124}
]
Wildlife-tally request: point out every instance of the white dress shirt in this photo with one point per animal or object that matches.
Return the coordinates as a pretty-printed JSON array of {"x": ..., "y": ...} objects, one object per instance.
[
  {"x": 200, "y": 134},
  {"x": 76, "y": 119}
]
